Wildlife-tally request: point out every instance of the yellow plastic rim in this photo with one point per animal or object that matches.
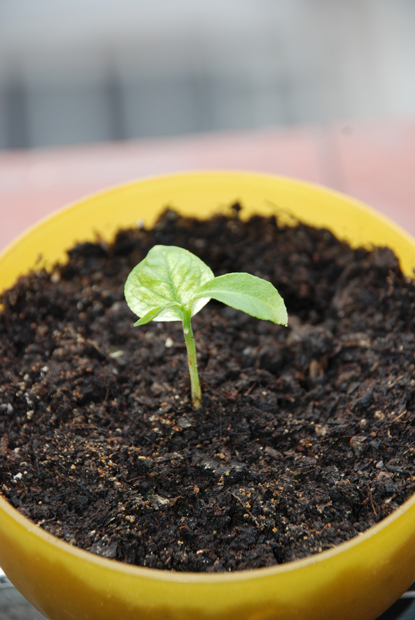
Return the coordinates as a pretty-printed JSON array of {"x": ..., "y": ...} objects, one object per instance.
[{"x": 358, "y": 579}]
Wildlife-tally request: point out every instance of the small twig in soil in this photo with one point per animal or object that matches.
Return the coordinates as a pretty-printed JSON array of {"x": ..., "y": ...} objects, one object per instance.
[
  {"x": 36, "y": 464},
  {"x": 371, "y": 501},
  {"x": 255, "y": 520},
  {"x": 400, "y": 415},
  {"x": 249, "y": 390}
]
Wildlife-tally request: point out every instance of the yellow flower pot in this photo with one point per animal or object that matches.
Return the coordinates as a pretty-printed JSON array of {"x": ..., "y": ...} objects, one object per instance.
[{"x": 357, "y": 580}]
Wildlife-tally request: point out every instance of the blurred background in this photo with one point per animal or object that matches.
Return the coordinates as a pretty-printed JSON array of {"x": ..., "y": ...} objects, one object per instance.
[
  {"x": 95, "y": 93},
  {"x": 101, "y": 70}
]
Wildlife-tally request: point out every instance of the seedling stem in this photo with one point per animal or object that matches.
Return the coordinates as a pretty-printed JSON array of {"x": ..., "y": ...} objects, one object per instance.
[{"x": 192, "y": 360}]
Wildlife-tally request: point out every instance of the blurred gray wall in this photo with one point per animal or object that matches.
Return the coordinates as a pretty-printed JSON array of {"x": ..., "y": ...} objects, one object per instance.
[{"x": 74, "y": 71}]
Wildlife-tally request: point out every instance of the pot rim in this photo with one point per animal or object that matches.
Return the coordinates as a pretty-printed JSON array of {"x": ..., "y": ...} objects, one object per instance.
[{"x": 195, "y": 175}]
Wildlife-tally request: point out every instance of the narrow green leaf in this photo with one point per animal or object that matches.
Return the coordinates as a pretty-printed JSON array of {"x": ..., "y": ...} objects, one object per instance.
[
  {"x": 248, "y": 293},
  {"x": 167, "y": 278},
  {"x": 152, "y": 314}
]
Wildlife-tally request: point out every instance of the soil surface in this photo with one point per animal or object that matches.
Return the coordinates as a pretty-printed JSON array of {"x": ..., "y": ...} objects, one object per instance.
[{"x": 306, "y": 437}]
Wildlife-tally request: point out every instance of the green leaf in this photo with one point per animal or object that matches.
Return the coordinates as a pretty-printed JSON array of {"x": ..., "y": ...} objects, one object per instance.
[
  {"x": 248, "y": 293},
  {"x": 165, "y": 281},
  {"x": 152, "y": 314}
]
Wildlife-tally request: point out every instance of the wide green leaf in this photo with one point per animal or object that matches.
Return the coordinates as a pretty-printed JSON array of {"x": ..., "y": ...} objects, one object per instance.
[
  {"x": 164, "y": 281},
  {"x": 248, "y": 293}
]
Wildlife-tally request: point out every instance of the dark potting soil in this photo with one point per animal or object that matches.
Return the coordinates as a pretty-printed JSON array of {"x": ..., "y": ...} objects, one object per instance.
[{"x": 306, "y": 437}]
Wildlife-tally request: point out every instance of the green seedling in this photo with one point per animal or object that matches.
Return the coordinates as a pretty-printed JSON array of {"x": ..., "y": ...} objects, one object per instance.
[{"x": 172, "y": 284}]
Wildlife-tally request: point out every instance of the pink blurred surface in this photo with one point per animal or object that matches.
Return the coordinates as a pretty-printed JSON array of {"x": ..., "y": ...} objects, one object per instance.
[{"x": 373, "y": 161}]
